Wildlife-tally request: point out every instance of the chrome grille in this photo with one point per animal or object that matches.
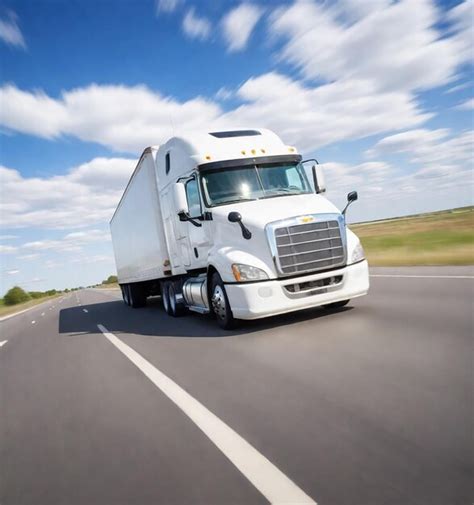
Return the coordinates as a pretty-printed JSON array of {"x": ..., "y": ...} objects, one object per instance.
[{"x": 309, "y": 247}]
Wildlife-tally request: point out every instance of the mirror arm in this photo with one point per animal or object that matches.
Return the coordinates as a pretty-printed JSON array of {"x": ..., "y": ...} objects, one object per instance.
[{"x": 184, "y": 216}]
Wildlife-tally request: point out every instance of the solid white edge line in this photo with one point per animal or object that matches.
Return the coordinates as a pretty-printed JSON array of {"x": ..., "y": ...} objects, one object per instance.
[
  {"x": 85, "y": 310},
  {"x": 33, "y": 322},
  {"x": 263, "y": 474},
  {"x": 3, "y": 342},
  {"x": 424, "y": 276}
]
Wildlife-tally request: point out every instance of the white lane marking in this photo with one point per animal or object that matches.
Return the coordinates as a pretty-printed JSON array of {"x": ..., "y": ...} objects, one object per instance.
[
  {"x": 42, "y": 313},
  {"x": 3, "y": 342},
  {"x": 263, "y": 474},
  {"x": 85, "y": 310},
  {"x": 425, "y": 276},
  {"x": 33, "y": 322}
]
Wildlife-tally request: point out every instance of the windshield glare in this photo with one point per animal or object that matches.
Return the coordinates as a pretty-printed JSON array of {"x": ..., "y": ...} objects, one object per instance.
[{"x": 254, "y": 182}]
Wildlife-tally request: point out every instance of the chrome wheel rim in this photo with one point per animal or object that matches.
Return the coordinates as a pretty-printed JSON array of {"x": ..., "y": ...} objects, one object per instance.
[{"x": 218, "y": 302}]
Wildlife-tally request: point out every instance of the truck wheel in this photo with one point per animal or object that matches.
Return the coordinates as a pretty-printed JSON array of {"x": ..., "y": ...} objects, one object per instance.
[
  {"x": 177, "y": 308},
  {"x": 337, "y": 305},
  {"x": 137, "y": 298},
  {"x": 125, "y": 294},
  {"x": 220, "y": 304},
  {"x": 165, "y": 297}
]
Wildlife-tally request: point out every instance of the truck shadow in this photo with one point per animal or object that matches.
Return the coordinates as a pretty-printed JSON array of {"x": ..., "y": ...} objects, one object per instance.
[{"x": 153, "y": 321}]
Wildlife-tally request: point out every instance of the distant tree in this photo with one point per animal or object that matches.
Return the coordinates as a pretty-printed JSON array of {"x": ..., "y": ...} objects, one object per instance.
[
  {"x": 66, "y": 290},
  {"x": 111, "y": 279},
  {"x": 36, "y": 294},
  {"x": 15, "y": 295},
  {"x": 51, "y": 292}
]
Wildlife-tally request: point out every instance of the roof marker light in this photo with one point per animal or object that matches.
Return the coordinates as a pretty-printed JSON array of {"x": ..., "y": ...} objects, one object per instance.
[
  {"x": 263, "y": 151},
  {"x": 208, "y": 157},
  {"x": 253, "y": 151},
  {"x": 243, "y": 152}
]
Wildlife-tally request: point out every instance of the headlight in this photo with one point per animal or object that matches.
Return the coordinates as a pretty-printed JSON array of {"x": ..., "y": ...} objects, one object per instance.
[
  {"x": 248, "y": 273},
  {"x": 358, "y": 253}
]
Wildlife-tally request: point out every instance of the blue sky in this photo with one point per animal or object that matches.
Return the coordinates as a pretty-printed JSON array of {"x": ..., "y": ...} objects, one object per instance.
[{"x": 380, "y": 92}]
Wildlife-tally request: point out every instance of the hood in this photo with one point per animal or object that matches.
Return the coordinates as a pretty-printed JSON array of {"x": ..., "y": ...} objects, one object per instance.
[{"x": 258, "y": 213}]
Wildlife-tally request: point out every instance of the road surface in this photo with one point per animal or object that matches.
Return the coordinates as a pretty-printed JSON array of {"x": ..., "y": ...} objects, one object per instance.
[{"x": 367, "y": 405}]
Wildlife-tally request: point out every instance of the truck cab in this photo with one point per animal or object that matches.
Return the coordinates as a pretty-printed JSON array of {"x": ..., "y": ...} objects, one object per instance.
[{"x": 248, "y": 230}]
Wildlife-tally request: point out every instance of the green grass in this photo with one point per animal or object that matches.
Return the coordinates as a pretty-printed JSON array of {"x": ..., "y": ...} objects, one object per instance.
[
  {"x": 437, "y": 238},
  {"x": 6, "y": 310}
]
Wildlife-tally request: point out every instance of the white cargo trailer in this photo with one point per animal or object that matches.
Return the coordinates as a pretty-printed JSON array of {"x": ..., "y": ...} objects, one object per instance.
[{"x": 228, "y": 222}]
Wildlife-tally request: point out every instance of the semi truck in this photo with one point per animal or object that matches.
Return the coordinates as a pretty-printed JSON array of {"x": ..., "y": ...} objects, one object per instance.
[{"x": 233, "y": 224}]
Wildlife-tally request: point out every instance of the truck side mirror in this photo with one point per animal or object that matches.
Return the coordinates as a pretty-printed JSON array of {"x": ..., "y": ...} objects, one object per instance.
[
  {"x": 351, "y": 197},
  {"x": 318, "y": 179},
  {"x": 180, "y": 199}
]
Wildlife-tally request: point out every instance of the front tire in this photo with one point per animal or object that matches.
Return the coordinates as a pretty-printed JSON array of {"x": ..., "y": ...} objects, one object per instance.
[
  {"x": 337, "y": 305},
  {"x": 220, "y": 304}
]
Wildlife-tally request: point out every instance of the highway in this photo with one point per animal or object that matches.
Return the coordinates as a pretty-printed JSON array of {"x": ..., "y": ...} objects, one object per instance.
[{"x": 367, "y": 405}]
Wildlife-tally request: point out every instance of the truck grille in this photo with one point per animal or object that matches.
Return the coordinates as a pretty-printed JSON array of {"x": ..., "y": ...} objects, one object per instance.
[{"x": 309, "y": 247}]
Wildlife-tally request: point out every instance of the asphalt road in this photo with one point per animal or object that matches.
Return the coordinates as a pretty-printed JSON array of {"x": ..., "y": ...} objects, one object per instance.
[{"x": 368, "y": 405}]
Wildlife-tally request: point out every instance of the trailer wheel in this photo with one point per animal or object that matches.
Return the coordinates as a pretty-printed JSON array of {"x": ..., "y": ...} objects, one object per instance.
[
  {"x": 165, "y": 297},
  {"x": 220, "y": 304},
  {"x": 125, "y": 294},
  {"x": 177, "y": 308},
  {"x": 137, "y": 297},
  {"x": 337, "y": 305}
]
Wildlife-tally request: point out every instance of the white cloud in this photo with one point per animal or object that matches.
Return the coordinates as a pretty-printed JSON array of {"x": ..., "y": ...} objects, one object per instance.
[
  {"x": 167, "y": 5},
  {"x": 12, "y": 272},
  {"x": 29, "y": 257},
  {"x": 238, "y": 25},
  {"x": 77, "y": 199},
  {"x": 309, "y": 117},
  {"x": 397, "y": 46},
  {"x": 10, "y": 32},
  {"x": 429, "y": 147},
  {"x": 130, "y": 118},
  {"x": 224, "y": 94},
  {"x": 196, "y": 27},
  {"x": 120, "y": 117},
  {"x": 8, "y": 237},
  {"x": 467, "y": 105},
  {"x": 72, "y": 242},
  {"x": 459, "y": 87},
  {"x": 7, "y": 248}
]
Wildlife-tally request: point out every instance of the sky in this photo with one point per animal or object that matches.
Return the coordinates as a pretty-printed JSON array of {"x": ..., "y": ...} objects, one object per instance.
[{"x": 380, "y": 92}]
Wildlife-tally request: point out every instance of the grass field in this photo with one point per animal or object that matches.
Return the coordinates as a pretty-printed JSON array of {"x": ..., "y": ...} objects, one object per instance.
[
  {"x": 438, "y": 238},
  {"x": 6, "y": 310}
]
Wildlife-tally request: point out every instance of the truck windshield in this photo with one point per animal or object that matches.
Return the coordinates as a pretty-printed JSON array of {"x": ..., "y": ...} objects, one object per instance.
[{"x": 254, "y": 182}]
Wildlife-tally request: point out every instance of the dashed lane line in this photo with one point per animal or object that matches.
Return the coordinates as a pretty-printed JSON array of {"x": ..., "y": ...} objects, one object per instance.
[
  {"x": 85, "y": 310},
  {"x": 264, "y": 475},
  {"x": 3, "y": 342}
]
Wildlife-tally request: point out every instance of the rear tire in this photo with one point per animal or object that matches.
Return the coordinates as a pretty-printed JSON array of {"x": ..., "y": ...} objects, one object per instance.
[
  {"x": 220, "y": 304},
  {"x": 125, "y": 294},
  {"x": 337, "y": 305},
  {"x": 137, "y": 296},
  {"x": 177, "y": 308},
  {"x": 165, "y": 297}
]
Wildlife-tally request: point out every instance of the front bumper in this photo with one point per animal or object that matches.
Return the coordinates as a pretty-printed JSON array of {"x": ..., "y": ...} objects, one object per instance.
[{"x": 269, "y": 298}]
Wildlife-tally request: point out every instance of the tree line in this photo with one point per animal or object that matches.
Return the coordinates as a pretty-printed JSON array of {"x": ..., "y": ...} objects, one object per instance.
[{"x": 17, "y": 295}]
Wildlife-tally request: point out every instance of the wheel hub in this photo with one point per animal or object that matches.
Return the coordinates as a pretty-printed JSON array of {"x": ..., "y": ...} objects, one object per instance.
[{"x": 218, "y": 302}]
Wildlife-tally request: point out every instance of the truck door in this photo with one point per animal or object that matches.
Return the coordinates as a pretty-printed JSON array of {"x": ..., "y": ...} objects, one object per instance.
[{"x": 197, "y": 240}]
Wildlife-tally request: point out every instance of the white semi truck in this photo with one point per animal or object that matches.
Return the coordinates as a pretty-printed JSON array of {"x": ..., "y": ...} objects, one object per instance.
[{"x": 228, "y": 223}]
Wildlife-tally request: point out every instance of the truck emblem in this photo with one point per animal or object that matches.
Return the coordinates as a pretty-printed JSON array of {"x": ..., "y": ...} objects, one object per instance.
[{"x": 307, "y": 219}]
